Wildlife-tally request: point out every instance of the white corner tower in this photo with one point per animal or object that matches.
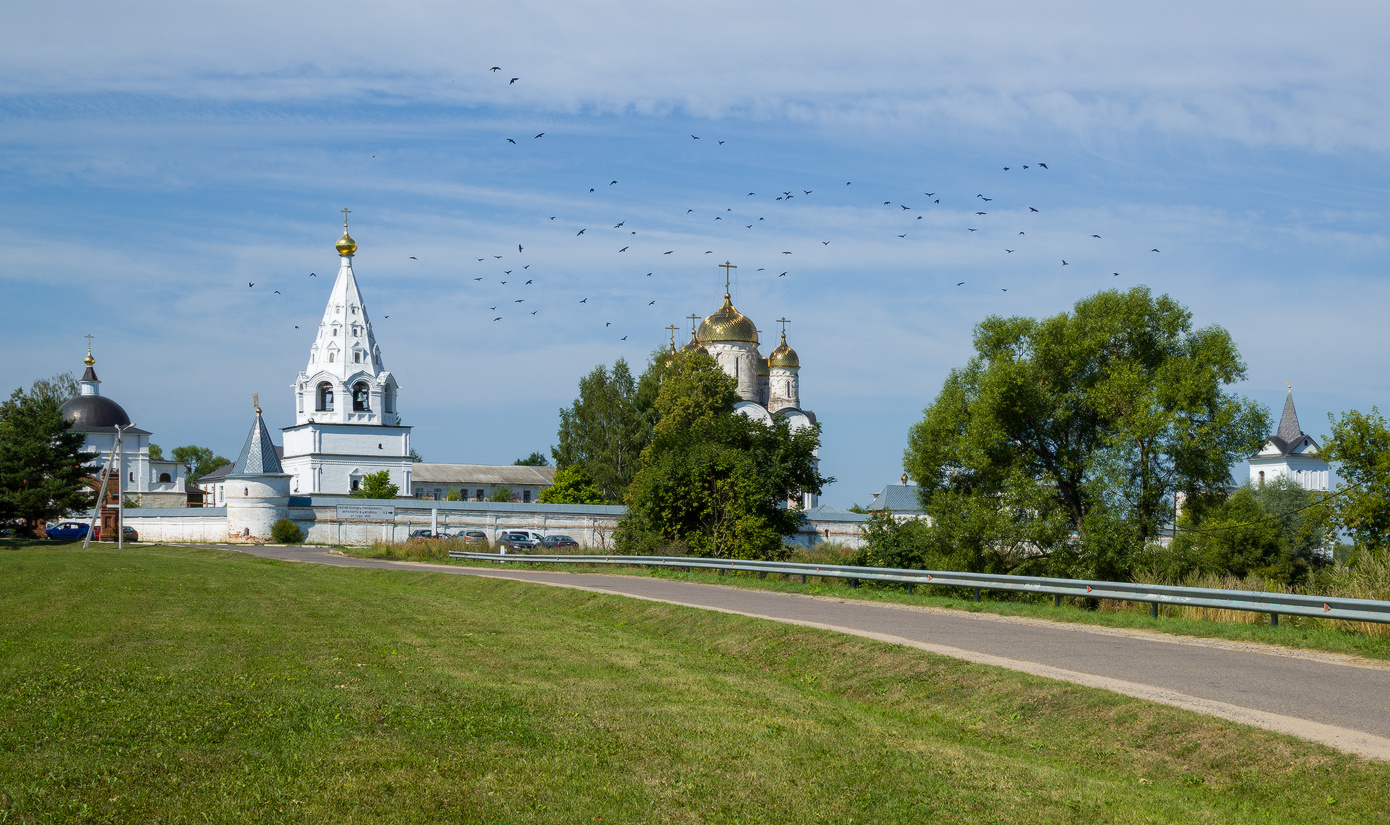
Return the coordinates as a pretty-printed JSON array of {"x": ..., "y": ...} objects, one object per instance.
[
  {"x": 257, "y": 488},
  {"x": 1291, "y": 453},
  {"x": 347, "y": 424}
]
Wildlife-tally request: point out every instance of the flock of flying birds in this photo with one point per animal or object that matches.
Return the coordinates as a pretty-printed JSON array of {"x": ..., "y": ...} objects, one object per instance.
[{"x": 519, "y": 300}]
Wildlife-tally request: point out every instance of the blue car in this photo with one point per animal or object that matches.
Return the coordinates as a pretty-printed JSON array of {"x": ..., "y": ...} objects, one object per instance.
[{"x": 67, "y": 530}]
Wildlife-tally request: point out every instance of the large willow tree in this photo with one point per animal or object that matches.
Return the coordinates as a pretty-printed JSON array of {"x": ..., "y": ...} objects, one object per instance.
[{"x": 1060, "y": 446}]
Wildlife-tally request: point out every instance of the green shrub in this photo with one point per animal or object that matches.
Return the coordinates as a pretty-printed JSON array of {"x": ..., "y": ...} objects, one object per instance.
[{"x": 285, "y": 531}]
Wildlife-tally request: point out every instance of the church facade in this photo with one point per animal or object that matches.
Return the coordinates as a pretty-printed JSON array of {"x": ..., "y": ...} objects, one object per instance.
[
  {"x": 347, "y": 423},
  {"x": 1291, "y": 453}
]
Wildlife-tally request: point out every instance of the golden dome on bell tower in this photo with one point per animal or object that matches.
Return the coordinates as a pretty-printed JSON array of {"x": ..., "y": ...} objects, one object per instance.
[{"x": 346, "y": 246}]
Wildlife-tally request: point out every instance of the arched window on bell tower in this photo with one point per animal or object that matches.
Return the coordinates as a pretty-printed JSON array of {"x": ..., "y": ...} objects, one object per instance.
[
  {"x": 325, "y": 397},
  {"x": 361, "y": 397}
]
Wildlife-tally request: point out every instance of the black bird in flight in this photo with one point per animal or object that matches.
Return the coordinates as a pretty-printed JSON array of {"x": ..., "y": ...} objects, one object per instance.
[
  {"x": 526, "y": 282},
  {"x": 1031, "y": 209},
  {"x": 584, "y": 301},
  {"x": 1043, "y": 165},
  {"x": 649, "y": 274},
  {"x": 477, "y": 279},
  {"x": 498, "y": 257},
  {"x": 552, "y": 217},
  {"x": 721, "y": 143},
  {"x": 513, "y": 80},
  {"x": 249, "y": 284},
  {"x": 498, "y": 318},
  {"x": 786, "y": 253},
  {"x": 518, "y": 247},
  {"x": 607, "y": 324},
  {"x": 624, "y": 338},
  {"x": 807, "y": 191},
  {"x": 619, "y": 224},
  {"x": 650, "y": 303},
  {"x": 905, "y": 207},
  {"x": 825, "y": 243},
  {"x": 534, "y": 311},
  {"x": 506, "y": 272},
  {"x": 929, "y": 194},
  {"x": 277, "y": 292},
  {"x": 482, "y": 259},
  {"x": 1064, "y": 262},
  {"x": 512, "y": 142},
  {"x": 296, "y": 326},
  {"x": 1095, "y": 236},
  {"x": 1008, "y": 250},
  {"x": 694, "y": 137},
  {"x": 413, "y": 258},
  {"x": 312, "y": 275},
  {"x": 779, "y": 276},
  {"x": 624, "y": 249},
  {"x": 962, "y": 283},
  {"x": 902, "y": 236},
  {"x": 979, "y": 213},
  {"x": 1116, "y": 274},
  {"x": 518, "y": 300},
  {"x": 968, "y": 229},
  {"x": 1153, "y": 250},
  {"x": 581, "y": 232},
  {"x": 386, "y": 316},
  {"x": 1006, "y": 168},
  {"x": 495, "y": 69},
  {"x": 541, "y": 135},
  {"x": 611, "y": 182},
  {"x": 668, "y": 252}
]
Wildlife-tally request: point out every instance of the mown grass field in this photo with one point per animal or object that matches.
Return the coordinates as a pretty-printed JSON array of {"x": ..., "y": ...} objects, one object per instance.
[{"x": 180, "y": 685}]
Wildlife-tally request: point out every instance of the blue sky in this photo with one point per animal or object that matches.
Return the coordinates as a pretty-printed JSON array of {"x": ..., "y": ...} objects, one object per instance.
[{"x": 157, "y": 158}]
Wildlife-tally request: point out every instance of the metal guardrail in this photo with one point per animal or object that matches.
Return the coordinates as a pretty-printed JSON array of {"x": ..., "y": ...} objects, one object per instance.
[{"x": 1275, "y": 604}]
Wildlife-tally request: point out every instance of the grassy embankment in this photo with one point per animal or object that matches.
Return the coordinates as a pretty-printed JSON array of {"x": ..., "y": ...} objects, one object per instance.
[
  {"x": 182, "y": 685},
  {"x": 1305, "y": 633}
]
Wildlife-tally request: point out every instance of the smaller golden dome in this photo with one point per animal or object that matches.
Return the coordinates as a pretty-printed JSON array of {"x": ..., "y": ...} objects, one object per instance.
[
  {"x": 89, "y": 360},
  {"x": 728, "y": 324},
  {"x": 784, "y": 356},
  {"x": 694, "y": 345},
  {"x": 346, "y": 245}
]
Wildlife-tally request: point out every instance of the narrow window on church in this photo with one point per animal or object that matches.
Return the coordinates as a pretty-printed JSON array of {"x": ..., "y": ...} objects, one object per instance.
[
  {"x": 356, "y": 357},
  {"x": 480, "y": 495},
  {"x": 526, "y": 496},
  {"x": 330, "y": 357},
  {"x": 1262, "y": 476},
  {"x": 360, "y": 397}
]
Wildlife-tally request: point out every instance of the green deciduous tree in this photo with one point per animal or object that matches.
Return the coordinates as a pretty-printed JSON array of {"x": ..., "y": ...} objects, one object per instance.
[
  {"x": 712, "y": 480},
  {"x": 607, "y": 427},
  {"x": 156, "y": 452},
  {"x": 502, "y": 494},
  {"x": 60, "y": 387},
  {"x": 1059, "y": 447},
  {"x": 1272, "y": 530},
  {"x": 376, "y": 485},
  {"x": 199, "y": 460},
  {"x": 571, "y": 486},
  {"x": 42, "y": 463},
  {"x": 532, "y": 460},
  {"x": 1361, "y": 443}
]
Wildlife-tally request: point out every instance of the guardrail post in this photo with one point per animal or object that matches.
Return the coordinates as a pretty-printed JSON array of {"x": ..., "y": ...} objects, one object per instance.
[
  {"x": 1056, "y": 599},
  {"x": 853, "y": 582},
  {"x": 762, "y": 574},
  {"x": 803, "y": 578},
  {"x": 1274, "y": 620},
  {"x": 1154, "y": 609},
  {"x": 910, "y": 587},
  {"x": 977, "y": 594}
]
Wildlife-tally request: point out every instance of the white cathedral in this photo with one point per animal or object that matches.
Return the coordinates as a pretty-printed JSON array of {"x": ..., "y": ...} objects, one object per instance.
[{"x": 346, "y": 420}]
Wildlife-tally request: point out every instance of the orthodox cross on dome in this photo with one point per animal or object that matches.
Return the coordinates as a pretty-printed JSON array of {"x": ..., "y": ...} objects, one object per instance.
[
  {"x": 673, "y": 329},
  {"x": 693, "y": 319},
  {"x": 783, "y": 322},
  {"x": 727, "y": 266},
  {"x": 256, "y": 402},
  {"x": 345, "y": 214},
  {"x": 89, "y": 360}
]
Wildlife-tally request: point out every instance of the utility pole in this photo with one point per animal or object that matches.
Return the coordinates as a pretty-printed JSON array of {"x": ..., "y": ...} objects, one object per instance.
[{"x": 120, "y": 488}]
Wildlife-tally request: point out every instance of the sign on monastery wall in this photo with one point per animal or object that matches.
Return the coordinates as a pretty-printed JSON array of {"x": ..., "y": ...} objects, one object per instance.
[{"x": 366, "y": 512}]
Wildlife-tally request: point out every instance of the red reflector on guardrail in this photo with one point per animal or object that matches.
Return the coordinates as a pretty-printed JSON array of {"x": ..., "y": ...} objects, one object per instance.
[
  {"x": 1325, "y": 608},
  {"x": 1088, "y": 588}
]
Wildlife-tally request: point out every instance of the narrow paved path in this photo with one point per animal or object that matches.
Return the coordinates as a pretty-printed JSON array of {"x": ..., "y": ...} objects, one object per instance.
[{"x": 1341, "y": 701}]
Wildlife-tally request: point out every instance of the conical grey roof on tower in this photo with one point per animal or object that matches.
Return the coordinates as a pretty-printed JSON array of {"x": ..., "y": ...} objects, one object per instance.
[
  {"x": 1289, "y": 431},
  {"x": 257, "y": 455}
]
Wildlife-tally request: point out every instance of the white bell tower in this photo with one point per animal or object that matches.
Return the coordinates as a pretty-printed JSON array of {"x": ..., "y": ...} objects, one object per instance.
[{"x": 347, "y": 424}]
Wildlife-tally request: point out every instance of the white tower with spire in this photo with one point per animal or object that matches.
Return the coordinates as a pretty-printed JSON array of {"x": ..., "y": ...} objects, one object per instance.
[
  {"x": 1291, "y": 453},
  {"x": 347, "y": 424}
]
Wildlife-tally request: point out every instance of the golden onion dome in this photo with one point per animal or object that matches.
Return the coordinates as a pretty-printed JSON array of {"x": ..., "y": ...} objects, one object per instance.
[
  {"x": 346, "y": 245},
  {"x": 784, "y": 356},
  {"x": 694, "y": 345},
  {"x": 727, "y": 324},
  {"x": 89, "y": 360}
]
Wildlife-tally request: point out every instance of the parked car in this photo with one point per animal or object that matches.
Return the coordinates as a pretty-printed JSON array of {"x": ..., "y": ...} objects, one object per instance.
[
  {"x": 130, "y": 533},
  {"x": 516, "y": 540},
  {"x": 473, "y": 536},
  {"x": 553, "y": 542},
  {"x": 421, "y": 534},
  {"x": 67, "y": 530}
]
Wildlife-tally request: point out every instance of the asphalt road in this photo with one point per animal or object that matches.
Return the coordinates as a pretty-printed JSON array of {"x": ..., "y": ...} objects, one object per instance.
[{"x": 1341, "y": 701}]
